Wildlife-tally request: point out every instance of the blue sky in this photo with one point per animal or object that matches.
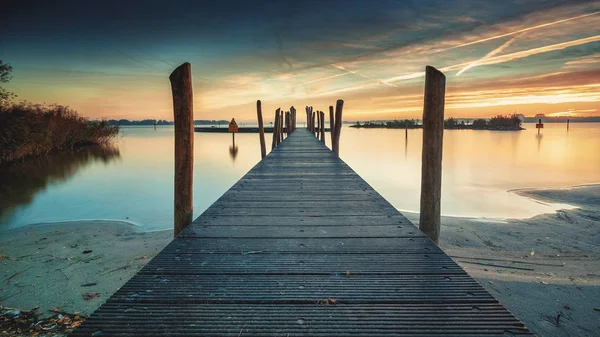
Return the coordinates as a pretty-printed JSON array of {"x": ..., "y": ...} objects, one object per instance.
[{"x": 112, "y": 58}]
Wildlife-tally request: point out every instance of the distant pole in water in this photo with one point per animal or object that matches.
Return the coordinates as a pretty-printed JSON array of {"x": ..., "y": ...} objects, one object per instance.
[
  {"x": 261, "y": 129},
  {"x": 431, "y": 166},
  {"x": 339, "y": 106},
  {"x": 183, "y": 113},
  {"x": 331, "y": 124},
  {"x": 406, "y": 129},
  {"x": 567, "y": 125}
]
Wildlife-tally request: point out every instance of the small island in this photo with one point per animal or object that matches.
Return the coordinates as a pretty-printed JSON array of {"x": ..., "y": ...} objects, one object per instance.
[{"x": 496, "y": 123}]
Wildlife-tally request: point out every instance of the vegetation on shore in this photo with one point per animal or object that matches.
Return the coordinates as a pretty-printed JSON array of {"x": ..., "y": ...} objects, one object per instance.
[
  {"x": 395, "y": 124},
  {"x": 28, "y": 129},
  {"x": 499, "y": 122}
]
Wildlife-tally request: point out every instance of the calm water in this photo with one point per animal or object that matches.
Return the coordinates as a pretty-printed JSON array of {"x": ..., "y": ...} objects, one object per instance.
[{"x": 134, "y": 180}]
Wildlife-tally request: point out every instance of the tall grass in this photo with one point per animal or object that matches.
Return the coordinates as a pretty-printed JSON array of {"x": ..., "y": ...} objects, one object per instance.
[{"x": 32, "y": 129}]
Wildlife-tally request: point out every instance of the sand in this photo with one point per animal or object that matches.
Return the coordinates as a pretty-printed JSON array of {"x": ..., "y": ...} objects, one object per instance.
[
  {"x": 540, "y": 268},
  {"x": 54, "y": 272}
]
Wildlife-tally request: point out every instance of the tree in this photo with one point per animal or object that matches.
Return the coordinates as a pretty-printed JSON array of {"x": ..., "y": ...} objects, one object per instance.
[{"x": 5, "y": 77}]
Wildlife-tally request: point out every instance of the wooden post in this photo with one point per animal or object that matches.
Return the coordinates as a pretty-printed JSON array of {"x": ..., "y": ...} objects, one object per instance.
[
  {"x": 331, "y": 124},
  {"x": 318, "y": 129},
  {"x": 339, "y": 106},
  {"x": 280, "y": 127},
  {"x": 313, "y": 118},
  {"x": 567, "y": 125},
  {"x": 183, "y": 115},
  {"x": 323, "y": 127},
  {"x": 431, "y": 166},
  {"x": 275, "y": 126},
  {"x": 405, "y": 129},
  {"x": 261, "y": 129}
]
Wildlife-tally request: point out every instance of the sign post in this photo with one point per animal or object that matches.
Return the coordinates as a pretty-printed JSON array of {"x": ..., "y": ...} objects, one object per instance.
[
  {"x": 540, "y": 125},
  {"x": 233, "y": 128}
]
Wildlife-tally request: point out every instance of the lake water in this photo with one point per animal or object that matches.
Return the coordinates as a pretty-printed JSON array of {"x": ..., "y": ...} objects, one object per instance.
[{"x": 134, "y": 180}]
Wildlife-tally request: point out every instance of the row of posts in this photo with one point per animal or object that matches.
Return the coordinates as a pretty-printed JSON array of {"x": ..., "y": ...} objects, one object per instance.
[
  {"x": 431, "y": 165},
  {"x": 315, "y": 123},
  {"x": 284, "y": 123}
]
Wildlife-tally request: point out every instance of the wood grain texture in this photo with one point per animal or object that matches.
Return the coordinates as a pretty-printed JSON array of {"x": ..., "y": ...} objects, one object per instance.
[
  {"x": 431, "y": 162},
  {"x": 183, "y": 116},
  {"x": 302, "y": 246}
]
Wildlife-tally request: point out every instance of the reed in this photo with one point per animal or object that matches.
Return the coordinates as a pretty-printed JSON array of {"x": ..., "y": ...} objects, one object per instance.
[{"x": 34, "y": 129}]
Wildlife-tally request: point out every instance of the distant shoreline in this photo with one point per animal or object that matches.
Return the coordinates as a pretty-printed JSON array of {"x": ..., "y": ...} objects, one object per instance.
[{"x": 465, "y": 127}]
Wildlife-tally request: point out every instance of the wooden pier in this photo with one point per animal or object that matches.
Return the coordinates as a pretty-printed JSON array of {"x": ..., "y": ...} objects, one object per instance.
[{"x": 302, "y": 246}]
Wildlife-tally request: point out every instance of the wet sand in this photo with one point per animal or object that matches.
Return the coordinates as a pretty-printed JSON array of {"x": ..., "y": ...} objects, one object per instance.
[{"x": 545, "y": 269}]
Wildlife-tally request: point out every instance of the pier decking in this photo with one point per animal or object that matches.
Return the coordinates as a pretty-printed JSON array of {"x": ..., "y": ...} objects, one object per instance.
[{"x": 302, "y": 245}]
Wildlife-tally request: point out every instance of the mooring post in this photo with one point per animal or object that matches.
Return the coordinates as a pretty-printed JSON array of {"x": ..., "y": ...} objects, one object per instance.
[
  {"x": 331, "y": 124},
  {"x": 431, "y": 165},
  {"x": 318, "y": 129},
  {"x": 405, "y": 129},
  {"x": 323, "y": 127},
  {"x": 567, "y": 125},
  {"x": 339, "y": 106},
  {"x": 183, "y": 116},
  {"x": 314, "y": 125},
  {"x": 280, "y": 127},
  {"x": 275, "y": 126},
  {"x": 261, "y": 129}
]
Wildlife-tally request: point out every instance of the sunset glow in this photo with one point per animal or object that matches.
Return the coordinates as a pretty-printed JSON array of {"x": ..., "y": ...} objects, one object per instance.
[{"x": 499, "y": 58}]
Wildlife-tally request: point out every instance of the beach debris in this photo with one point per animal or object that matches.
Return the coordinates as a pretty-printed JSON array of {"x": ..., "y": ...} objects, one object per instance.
[
  {"x": 532, "y": 253},
  {"x": 327, "y": 301},
  {"x": 114, "y": 270},
  {"x": 90, "y": 296},
  {"x": 87, "y": 251},
  {"x": 544, "y": 282},
  {"x": 16, "y": 274},
  {"x": 19, "y": 322},
  {"x": 597, "y": 309},
  {"x": 491, "y": 282},
  {"x": 89, "y": 284},
  {"x": 142, "y": 258}
]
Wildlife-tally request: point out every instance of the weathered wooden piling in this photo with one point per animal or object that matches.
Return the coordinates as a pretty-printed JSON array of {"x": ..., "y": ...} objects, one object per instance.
[
  {"x": 275, "y": 127},
  {"x": 567, "y": 125},
  {"x": 323, "y": 127},
  {"x": 314, "y": 125},
  {"x": 431, "y": 166},
  {"x": 331, "y": 124},
  {"x": 183, "y": 116},
  {"x": 261, "y": 129},
  {"x": 339, "y": 106}
]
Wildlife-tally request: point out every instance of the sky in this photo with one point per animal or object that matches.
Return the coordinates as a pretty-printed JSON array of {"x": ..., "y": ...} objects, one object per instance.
[{"x": 111, "y": 59}]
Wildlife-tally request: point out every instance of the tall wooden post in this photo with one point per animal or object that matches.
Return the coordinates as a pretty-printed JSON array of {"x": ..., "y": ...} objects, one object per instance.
[
  {"x": 261, "y": 129},
  {"x": 318, "y": 129},
  {"x": 314, "y": 122},
  {"x": 183, "y": 115},
  {"x": 431, "y": 166},
  {"x": 323, "y": 127},
  {"x": 567, "y": 125},
  {"x": 280, "y": 127},
  {"x": 339, "y": 106},
  {"x": 331, "y": 124},
  {"x": 275, "y": 127}
]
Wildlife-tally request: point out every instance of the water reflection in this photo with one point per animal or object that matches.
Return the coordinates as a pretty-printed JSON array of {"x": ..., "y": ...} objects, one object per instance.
[
  {"x": 233, "y": 150},
  {"x": 539, "y": 137},
  {"x": 20, "y": 182}
]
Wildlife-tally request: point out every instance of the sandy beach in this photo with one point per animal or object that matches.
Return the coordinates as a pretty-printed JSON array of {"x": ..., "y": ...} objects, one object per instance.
[{"x": 545, "y": 269}]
